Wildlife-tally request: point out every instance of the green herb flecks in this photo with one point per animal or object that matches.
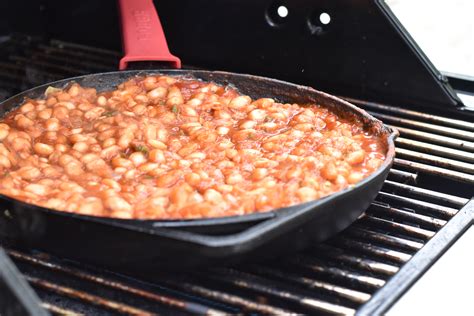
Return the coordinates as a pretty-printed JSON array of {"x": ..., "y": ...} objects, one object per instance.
[
  {"x": 110, "y": 113},
  {"x": 268, "y": 119},
  {"x": 175, "y": 109},
  {"x": 143, "y": 149}
]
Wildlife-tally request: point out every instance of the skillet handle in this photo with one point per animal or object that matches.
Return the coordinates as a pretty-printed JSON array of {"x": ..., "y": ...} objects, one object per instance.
[{"x": 142, "y": 34}]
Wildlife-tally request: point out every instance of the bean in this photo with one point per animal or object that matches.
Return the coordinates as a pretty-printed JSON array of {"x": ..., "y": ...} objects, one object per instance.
[
  {"x": 91, "y": 206},
  {"x": 188, "y": 149},
  {"x": 207, "y": 137},
  {"x": 55, "y": 203},
  {"x": 52, "y": 124},
  {"x": 248, "y": 124},
  {"x": 356, "y": 157},
  {"x": 29, "y": 172},
  {"x": 89, "y": 157},
  {"x": 264, "y": 103},
  {"x": 329, "y": 171},
  {"x": 196, "y": 156},
  {"x": 167, "y": 179},
  {"x": 174, "y": 96},
  {"x": 156, "y": 155},
  {"x": 21, "y": 144},
  {"x": 234, "y": 178},
  {"x": 43, "y": 149},
  {"x": 180, "y": 194},
  {"x": 24, "y": 122},
  {"x": 37, "y": 189},
  {"x": 259, "y": 173},
  {"x": 120, "y": 207},
  {"x": 157, "y": 144},
  {"x": 94, "y": 113},
  {"x": 137, "y": 158},
  {"x": 3, "y": 133},
  {"x": 193, "y": 179},
  {"x": 85, "y": 106},
  {"x": 222, "y": 130},
  {"x": 306, "y": 194},
  {"x": 73, "y": 168},
  {"x": 114, "y": 185},
  {"x": 157, "y": 93},
  {"x": 239, "y": 102},
  {"x": 258, "y": 115},
  {"x": 81, "y": 147},
  {"x": 5, "y": 162},
  {"x": 109, "y": 142},
  {"x": 188, "y": 111},
  {"x": 125, "y": 140},
  {"x": 213, "y": 196},
  {"x": 102, "y": 101},
  {"x": 139, "y": 109},
  {"x": 27, "y": 107},
  {"x": 305, "y": 127},
  {"x": 194, "y": 102},
  {"x": 355, "y": 177}
]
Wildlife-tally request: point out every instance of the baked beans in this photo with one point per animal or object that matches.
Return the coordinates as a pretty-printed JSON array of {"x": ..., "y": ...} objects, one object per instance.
[{"x": 161, "y": 147}]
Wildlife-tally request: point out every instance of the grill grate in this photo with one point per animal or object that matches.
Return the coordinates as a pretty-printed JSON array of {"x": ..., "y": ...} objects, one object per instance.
[{"x": 338, "y": 276}]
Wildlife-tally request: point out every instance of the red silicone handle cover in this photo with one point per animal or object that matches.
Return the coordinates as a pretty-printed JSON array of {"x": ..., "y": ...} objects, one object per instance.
[{"x": 143, "y": 37}]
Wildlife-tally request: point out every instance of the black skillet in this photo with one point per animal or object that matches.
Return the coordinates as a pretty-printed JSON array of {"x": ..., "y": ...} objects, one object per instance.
[{"x": 149, "y": 244}]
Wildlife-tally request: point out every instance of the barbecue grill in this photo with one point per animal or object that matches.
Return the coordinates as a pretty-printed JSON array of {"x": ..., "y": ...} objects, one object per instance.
[{"x": 364, "y": 55}]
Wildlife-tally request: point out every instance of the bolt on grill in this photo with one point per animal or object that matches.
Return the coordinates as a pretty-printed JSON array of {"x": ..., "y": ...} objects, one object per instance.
[{"x": 338, "y": 276}]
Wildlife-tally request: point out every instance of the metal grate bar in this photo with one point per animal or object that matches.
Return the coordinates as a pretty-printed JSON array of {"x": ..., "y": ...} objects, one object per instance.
[
  {"x": 330, "y": 289},
  {"x": 436, "y": 171},
  {"x": 423, "y": 221},
  {"x": 257, "y": 284},
  {"x": 236, "y": 300},
  {"x": 437, "y": 139},
  {"x": 86, "y": 297},
  {"x": 418, "y": 115},
  {"x": 453, "y": 201},
  {"x": 343, "y": 275},
  {"x": 85, "y": 48},
  {"x": 44, "y": 57},
  {"x": 59, "y": 310},
  {"x": 402, "y": 176},
  {"x": 435, "y": 149},
  {"x": 165, "y": 300},
  {"x": 438, "y": 210},
  {"x": 396, "y": 228},
  {"x": 391, "y": 241},
  {"x": 343, "y": 255},
  {"x": 53, "y": 67},
  {"x": 435, "y": 160},
  {"x": 90, "y": 56},
  {"x": 372, "y": 250},
  {"x": 443, "y": 130}
]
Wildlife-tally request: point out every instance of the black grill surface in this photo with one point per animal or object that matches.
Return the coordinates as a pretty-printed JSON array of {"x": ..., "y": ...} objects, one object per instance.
[{"x": 428, "y": 184}]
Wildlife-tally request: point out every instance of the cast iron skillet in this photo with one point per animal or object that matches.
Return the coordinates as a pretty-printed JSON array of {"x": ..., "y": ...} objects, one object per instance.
[{"x": 149, "y": 244}]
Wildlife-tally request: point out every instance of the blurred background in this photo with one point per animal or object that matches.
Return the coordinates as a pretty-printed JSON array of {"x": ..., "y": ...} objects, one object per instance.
[{"x": 443, "y": 29}]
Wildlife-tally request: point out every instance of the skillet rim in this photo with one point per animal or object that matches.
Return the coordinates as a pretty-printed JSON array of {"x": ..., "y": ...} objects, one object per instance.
[{"x": 389, "y": 134}]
